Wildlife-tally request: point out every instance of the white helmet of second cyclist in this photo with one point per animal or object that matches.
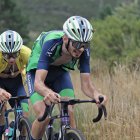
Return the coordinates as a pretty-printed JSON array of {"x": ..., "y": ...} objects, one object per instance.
[
  {"x": 10, "y": 42},
  {"x": 78, "y": 28}
]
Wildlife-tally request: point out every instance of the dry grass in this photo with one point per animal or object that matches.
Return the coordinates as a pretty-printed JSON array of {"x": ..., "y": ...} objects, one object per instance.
[{"x": 123, "y": 106}]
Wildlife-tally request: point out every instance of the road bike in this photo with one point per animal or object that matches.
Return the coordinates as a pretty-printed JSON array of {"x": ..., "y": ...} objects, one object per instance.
[
  {"x": 19, "y": 128},
  {"x": 66, "y": 132}
]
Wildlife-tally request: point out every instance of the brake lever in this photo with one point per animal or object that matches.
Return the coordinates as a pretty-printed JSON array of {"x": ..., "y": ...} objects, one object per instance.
[
  {"x": 103, "y": 107},
  {"x": 101, "y": 110}
]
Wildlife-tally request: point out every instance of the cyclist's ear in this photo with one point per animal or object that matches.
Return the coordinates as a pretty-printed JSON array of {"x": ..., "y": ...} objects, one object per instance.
[{"x": 65, "y": 39}]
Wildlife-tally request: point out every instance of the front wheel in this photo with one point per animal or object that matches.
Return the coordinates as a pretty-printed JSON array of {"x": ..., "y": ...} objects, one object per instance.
[
  {"x": 73, "y": 134},
  {"x": 24, "y": 127}
]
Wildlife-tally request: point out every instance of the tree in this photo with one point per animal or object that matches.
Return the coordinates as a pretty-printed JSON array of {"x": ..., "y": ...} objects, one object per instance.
[
  {"x": 107, "y": 10},
  {"x": 117, "y": 36},
  {"x": 12, "y": 18}
]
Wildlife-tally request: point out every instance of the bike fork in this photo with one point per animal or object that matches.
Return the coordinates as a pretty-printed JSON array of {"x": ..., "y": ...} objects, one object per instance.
[
  {"x": 50, "y": 132},
  {"x": 62, "y": 132}
]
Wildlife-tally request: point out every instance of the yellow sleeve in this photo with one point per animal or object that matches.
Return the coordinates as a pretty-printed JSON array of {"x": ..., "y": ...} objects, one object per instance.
[{"x": 25, "y": 54}]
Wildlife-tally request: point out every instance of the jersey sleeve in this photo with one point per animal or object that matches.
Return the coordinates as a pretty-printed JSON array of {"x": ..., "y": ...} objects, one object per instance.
[
  {"x": 45, "y": 56},
  {"x": 25, "y": 54},
  {"x": 84, "y": 62}
]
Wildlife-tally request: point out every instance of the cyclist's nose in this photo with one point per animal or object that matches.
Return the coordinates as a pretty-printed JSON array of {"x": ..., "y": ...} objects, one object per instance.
[
  {"x": 79, "y": 51},
  {"x": 12, "y": 60}
]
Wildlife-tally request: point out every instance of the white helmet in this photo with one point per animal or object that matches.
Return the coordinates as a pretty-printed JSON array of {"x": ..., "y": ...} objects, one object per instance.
[
  {"x": 10, "y": 42},
  {"x": 78, "y": 28}
]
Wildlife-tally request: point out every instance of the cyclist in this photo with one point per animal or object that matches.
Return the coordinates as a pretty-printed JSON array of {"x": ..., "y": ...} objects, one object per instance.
[
  {"x": 53, "y": 54},
  {"x": 13, "y": 60}
]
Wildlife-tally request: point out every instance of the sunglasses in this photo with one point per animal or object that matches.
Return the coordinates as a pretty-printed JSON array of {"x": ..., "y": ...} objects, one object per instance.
[
  {"x": 78, "y": 45},
  {"x": 9, "y": 55}
]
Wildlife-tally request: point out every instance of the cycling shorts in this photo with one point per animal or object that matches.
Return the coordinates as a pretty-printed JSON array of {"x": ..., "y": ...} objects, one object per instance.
[
  {"x": 15, "y": 87},
  {"x": 57, "y": 79}
]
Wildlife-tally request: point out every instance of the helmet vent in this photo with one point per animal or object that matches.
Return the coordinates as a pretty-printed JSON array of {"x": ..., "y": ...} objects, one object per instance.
[
  {"x": 10, "y": 44},
  {"x": 78, "y": 31},
  {"x": 9, "y": 36},
  {"x": 82, "y": 22},
  {"x": 73, "y": 31},
  {"x": 5, "y": 43},
  {"x": 84, "y": 30}
]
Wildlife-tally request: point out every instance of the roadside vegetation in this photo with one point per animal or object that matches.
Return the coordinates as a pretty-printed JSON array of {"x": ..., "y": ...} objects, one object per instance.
[
  {"x": 122, "y": 89},
  {"x": 115, "y": 56}
]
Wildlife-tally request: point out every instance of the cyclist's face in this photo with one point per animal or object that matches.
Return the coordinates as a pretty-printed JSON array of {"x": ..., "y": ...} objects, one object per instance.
[
  {"x": 10, "y": 57},
  {"x": 76, "y": 53}
]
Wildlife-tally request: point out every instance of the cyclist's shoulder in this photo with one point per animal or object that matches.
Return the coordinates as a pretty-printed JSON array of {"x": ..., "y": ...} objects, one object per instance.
[
  {"x": 25, "y": 50},
  {"x": 25, "y": 53},
  {"x": 1, "y": 58},
  {"x": 52, "y": 35},
  {"x": 0, "y": 54}
]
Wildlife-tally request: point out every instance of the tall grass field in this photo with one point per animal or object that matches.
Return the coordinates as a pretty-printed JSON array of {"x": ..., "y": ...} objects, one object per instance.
[{"x": 122, "y": 88}]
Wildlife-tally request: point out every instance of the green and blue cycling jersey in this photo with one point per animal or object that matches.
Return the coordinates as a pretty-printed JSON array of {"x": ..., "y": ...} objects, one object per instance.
[{"x": 46, "y": 51}]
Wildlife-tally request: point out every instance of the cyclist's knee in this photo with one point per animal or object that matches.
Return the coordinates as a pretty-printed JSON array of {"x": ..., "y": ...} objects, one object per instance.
[
  {"x": 72, "y": 118},
  {"x": 71, "y": 111},
  {"x": 39, "y": 108},
  {"x": 71, "y": 108},
  {"x": 25, "y": 107},
  {"x": 26, "y": 114}
]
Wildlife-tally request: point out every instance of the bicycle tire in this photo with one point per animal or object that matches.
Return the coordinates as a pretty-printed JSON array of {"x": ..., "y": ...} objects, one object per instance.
[
  {"x": 73, "y": 134},
  {"x": 26, "y": 125},
  {"x": 49, "y": 134},
  {"x": 45, "y": 136},
  {"x": 5, "y": 138}
]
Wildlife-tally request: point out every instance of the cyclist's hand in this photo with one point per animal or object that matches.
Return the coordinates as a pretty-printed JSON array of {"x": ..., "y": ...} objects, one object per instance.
[
  {"x": 4, "y": 95},
  {"x": 52, "y": 97},
  {"x": 97, "y": 95}
]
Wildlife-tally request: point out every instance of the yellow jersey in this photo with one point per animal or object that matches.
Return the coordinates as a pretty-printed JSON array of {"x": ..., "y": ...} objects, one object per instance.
[{"x": 21, "y": 61}]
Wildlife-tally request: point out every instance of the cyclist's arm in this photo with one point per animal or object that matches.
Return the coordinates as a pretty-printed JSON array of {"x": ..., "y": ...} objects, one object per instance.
[
  {"x": 49, "y": 95},
  {"x": 40, "y": 87},
  {"x": 25, "y": 54},
  {"x": 89, "y": 88},
  {"x": 41, "y": 74},
  {"x": 86, "y": 83},
  {"x": 85, "y": 74}
]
